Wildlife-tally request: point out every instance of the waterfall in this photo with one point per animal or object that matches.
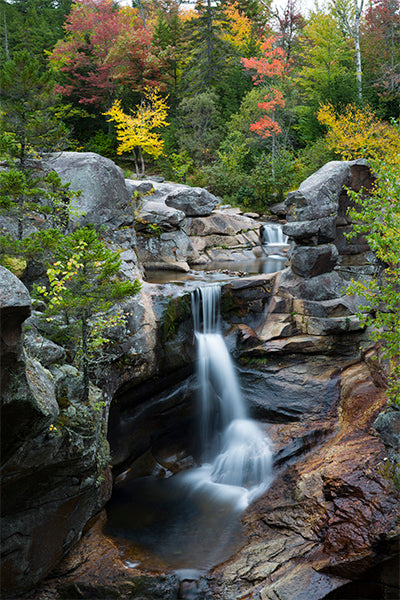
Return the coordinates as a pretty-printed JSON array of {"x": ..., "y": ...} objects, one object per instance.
[
  {"x": 236, "y": 454},
  {"x": 272, "y": 235}
]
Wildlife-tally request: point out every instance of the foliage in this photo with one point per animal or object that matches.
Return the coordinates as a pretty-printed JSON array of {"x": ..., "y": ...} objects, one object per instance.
[
  {"x": 200, "y": 132},
  {"x": 104, "y": 48},
  {"x": 140, "y": 131},
  {"x": 358, "y": 133},
  {"x": 377, "y": 216},
  {"x": 380, "y": 45},
  {"x": 326, "y": 74},
  {"x": 83, "y": 282},
  {"x": 27, "y": 106}
]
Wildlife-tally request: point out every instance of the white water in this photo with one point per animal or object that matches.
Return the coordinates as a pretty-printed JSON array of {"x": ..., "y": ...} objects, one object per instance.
[
  {"x": 272, "y": 235},
  {"x": 237, "y": 455}
]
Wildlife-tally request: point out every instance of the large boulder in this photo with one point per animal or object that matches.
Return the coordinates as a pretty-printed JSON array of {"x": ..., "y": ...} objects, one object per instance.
[
  {"x": 194, "y": 202},
  {"x": 104, "y": 199}
]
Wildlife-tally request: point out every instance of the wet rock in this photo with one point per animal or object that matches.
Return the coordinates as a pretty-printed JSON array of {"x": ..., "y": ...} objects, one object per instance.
[
  {"x": 321, "y": 522},
  {"x": 307, "y": 261},
  {"x": 284, "y": 393}
]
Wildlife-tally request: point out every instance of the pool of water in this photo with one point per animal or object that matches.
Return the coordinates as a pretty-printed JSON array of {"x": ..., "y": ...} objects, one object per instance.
[
  {"x": 166, "y": 524},
  {"x": 219, "y": 271}
]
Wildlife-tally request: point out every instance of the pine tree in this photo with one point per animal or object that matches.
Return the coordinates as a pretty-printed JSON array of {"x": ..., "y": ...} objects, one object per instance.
[{"x": 27, "y": 100}]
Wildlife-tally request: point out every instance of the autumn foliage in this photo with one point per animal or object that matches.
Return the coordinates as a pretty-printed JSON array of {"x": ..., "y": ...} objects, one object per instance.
[
  {"x": 270, "y": 68},
  {"x": 358, "y": 133},
  {"x": 103, "y": 48},
  {"x": 139, "y": 131}
]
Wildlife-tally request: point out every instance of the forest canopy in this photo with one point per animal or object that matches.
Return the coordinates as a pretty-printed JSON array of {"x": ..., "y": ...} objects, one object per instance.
[{"x": 243, "y": 83}]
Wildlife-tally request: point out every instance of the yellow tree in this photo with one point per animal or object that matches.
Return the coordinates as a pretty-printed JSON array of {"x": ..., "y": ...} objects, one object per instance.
[
  {"x": 139, "y": 131},
  {"x": 358, "y": 133}
]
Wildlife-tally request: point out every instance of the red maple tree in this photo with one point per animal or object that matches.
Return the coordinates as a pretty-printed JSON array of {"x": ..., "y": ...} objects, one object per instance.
[
  {"x": 104, "y": 47},
  {"x": 268, "y": 69}
]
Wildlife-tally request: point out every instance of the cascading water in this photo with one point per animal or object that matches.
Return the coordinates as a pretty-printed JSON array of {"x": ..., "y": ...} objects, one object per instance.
[
  {"x": 272, "y": 235},
  {"x": 235, "y": 451},
  {"x": 190, "y": 522}
]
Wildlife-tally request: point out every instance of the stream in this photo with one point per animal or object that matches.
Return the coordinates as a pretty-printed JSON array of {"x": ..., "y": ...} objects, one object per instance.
[{"x": 191, "y": 521}]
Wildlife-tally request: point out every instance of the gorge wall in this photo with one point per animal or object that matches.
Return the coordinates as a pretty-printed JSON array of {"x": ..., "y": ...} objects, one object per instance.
[{"x": 308, "y": 371}]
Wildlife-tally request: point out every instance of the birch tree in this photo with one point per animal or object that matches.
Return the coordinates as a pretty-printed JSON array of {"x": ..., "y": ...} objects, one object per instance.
[{"x": 349, "y": 13}]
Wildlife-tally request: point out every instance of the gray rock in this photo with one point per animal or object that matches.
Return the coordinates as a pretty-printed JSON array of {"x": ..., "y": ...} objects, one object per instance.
[
  {"x": 158, "y": 213},
  {"x": 318, "y": 196},
  {"x": 309, "y": 261},
  {"x": 194, "y": 202},
  {"x": 172, "y": 249},
  {"x": 105, "y": 199},
  {"x": 315, "y": 231},
  {"x": 13, "y": 294},
  {"x": 327, "y": 326},
  {"x": 220, "y": 223},
  {"x": 322, "y": 287},
  {"x": 46, "y": 351},
  {"x": 388, "y": 426}
]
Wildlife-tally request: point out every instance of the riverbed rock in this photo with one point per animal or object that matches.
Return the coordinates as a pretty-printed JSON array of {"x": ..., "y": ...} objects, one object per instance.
[
  {"x": 170, "y": 250},
  {"x": 307, "y": 261},
  {"x": 158, "y": 214},
  {"x": 320, "y": 524}
]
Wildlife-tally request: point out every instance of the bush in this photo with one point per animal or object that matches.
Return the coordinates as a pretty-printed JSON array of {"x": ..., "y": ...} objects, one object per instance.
[{"x": 101, "y": 143}]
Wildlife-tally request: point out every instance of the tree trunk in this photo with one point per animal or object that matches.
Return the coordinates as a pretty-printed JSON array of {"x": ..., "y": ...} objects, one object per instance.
[
  {"x": 142, "y": 167},
  {"x": 356, "y": 35}
]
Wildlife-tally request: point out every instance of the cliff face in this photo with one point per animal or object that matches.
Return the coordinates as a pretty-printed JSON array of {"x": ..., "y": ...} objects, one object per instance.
[{"x": 54, "y": 452}]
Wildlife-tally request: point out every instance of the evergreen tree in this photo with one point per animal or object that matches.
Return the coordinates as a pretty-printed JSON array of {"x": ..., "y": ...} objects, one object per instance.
[{"x": 27, "y": 102}]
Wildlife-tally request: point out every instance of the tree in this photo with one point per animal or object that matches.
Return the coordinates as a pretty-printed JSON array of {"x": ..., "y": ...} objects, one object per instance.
[
  {"x": 271, "y": 68},
  {"x": 209, "y": 52},
  {"x": 200, "y": 126},
  {"x": 139, "y": 132},
  {"x": 349, "y": 13},
  {"x": 358, "y": 133},
  {"x": 380, "y": 45},
  {"x": 104, "y": 47},
  {"x": 377, "y": 216},
  {"x": 27, "y": 100},
  {"x": 326, "y": 75},
  {"x": 83, "y": 283}
]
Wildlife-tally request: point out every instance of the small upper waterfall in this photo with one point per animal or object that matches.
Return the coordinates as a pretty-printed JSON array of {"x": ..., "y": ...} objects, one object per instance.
[
  {"x": 235, "y": 451},
  {"x": 272, "y": 235}
]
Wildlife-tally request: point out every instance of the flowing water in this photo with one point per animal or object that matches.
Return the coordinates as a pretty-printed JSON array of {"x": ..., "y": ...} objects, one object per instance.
[
  {"x": 236, "y": 453},
  {"x": 191, "y": 521}
]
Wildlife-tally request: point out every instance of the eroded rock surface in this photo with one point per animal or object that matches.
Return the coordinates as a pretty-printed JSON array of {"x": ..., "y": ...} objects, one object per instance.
[{"x": 54, "y": 452}]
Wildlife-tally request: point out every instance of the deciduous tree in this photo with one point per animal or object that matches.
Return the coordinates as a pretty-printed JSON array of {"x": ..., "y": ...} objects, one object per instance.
[
  {"x": 139, "y": 132},
  {"x": 83, "y": 283},
  {"x": 104, "y": 47}
]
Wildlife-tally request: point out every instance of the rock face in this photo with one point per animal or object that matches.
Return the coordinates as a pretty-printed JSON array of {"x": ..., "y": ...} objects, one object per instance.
[
  {"x": 308, "y": 372},
  {"x": 99, "y": 179},
  {"x": 54, "y": 451},
  {"x": 179, "y": 226}
]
